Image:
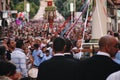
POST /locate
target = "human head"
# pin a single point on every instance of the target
(11, 43)
(109, 32)
(59, 45)
(36, 46)
(69, 45)
(47, 52)
(19, 43)
(78, 43)
(26, 50)
(108, 44)
(8, 69)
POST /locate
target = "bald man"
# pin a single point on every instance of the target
(99, 66)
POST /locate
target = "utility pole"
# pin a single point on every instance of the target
(72, 11)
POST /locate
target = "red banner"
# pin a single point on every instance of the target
(49, 3)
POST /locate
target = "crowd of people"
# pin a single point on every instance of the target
(54, 56)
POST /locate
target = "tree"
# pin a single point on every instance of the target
(63, 6)
(19, 5)
(37, 2)
(33, 9)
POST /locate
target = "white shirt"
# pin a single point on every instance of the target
(114, 76)
(103, 53)
(67, 53)
(18, 58)
(77, 55)
(58, 54)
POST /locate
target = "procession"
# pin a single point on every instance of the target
(59, 40)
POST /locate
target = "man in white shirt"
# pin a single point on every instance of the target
(19, 59)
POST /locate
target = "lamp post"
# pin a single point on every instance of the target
(28, 10)
(71, 10)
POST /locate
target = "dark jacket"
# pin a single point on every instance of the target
(97, 67)
(58, 68)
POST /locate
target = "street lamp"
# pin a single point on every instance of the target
(28, 10)
(71, 10)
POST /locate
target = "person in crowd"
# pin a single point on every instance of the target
(29, 58)
(87, 37)
(117, 56)
(114, 76)
(37, 55)
(77, 52)
(2, 53)
(4, 42)
(116, 35)
(47, 55)
(68, 53)
(50, 44)
(11, 46)
(18, 57)
(8, 71)
(101, 65)
(109, 32)
(58, 67)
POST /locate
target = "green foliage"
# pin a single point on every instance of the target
(50, 8)
(37, 2)
(79, 5)
(19, 5)
(33, 9)
(12, 5)
(15, 1)
(63, 7)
